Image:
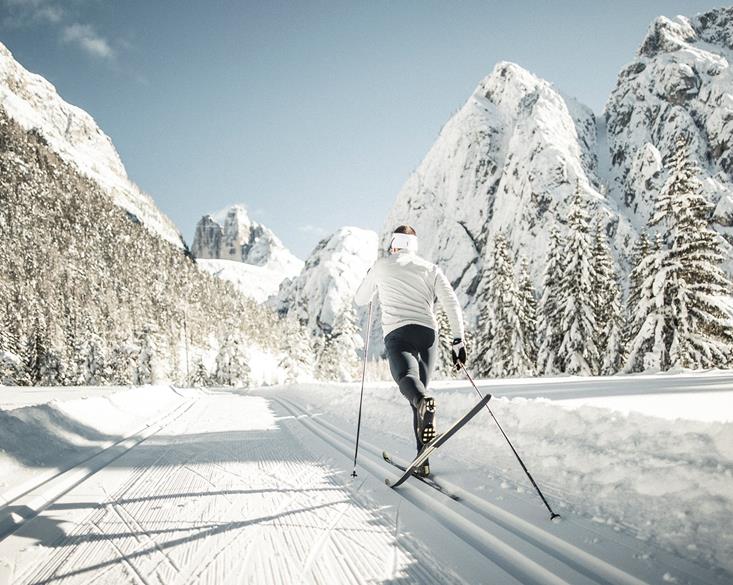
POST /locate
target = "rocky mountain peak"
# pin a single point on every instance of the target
(716, 26)
(232, 235)
(678, 85)
(665, 35)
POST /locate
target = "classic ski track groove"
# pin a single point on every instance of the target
(44, 492)
(199, 497)
(575, 559)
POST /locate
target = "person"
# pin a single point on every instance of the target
(407, 286)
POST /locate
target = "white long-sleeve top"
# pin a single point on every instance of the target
(407, 287)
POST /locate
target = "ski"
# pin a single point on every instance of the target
(427, 449)
(426, 480)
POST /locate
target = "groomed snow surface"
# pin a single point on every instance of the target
(163, 485)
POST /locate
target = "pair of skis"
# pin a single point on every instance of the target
(428, 448)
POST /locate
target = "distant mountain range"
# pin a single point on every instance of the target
(508, 161)
(234, 247)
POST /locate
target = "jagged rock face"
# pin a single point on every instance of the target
(232, 235)
(74, 135)
(329, 279)
(509, 160)
(679, 83)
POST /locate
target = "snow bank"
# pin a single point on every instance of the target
(663, 481)
(43, 438)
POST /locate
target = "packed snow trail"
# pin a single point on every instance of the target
(254, 487)
(232, 492)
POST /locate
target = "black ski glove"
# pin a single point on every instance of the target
(459, 353)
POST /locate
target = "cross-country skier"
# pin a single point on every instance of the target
(407, 286)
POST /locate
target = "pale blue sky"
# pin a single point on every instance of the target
(311, 113)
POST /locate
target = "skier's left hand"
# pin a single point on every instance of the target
(458, 353)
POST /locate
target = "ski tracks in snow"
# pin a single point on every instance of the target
(253, 489)
(227, 493)
(531, 551)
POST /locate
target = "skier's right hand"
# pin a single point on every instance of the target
(458, 353)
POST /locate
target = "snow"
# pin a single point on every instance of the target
(508, 161)
(256, 282)
(74, 135)
(230, 234)
(256, 483)
(52, 429)
(330, 277)
(620, 451)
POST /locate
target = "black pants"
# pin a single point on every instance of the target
(411, 351)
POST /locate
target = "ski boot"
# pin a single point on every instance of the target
(426, 419)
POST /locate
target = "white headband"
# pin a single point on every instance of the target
(404, 242)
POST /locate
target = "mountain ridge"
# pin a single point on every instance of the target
(34, 103)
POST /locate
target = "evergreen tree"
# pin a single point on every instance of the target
(338, 359)
(505, 351)
(34, 354)
(485, 325)
(11, 365)
(124, 362)
(445, 344)
(549, 314)
(578, 352)
(681, 317)
(639, 252)
(199, 375)
(95, 366)
(144, 372)
(231, 364)
(528, 316)
(299, 356)
(607, 304)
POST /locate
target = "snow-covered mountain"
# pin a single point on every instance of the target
(329, 278)
(73, 134)
(257, 282)
(509, 160)
(679, 83)
(512, 157)
(231, 235)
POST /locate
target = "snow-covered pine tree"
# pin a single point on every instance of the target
(123, 361)
(506, 352)
(578, 352)
(146, 355)
(607, 304)
(199, 375)
(338, 360)
(298, 353)
(528, 315)
(11, 366)
(639, 252)
(445, 344)
(485, 327)
(96, 364)
(686, 321)
(231, 363)
(549, 315)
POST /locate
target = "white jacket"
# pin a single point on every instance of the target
(407, 287)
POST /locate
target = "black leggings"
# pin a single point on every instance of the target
(411, 351)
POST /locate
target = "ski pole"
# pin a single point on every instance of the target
(553, 515)
(363, 375)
